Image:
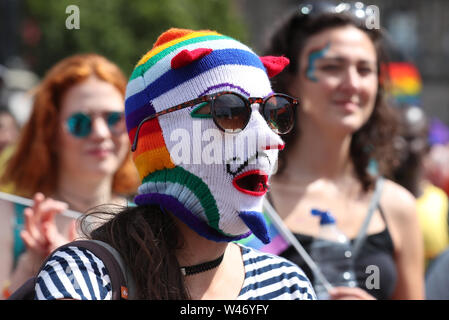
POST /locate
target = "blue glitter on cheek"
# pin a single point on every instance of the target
(315, 55)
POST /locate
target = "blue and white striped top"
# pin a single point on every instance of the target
(75, 273)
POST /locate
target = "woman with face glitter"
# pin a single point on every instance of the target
(343, 131)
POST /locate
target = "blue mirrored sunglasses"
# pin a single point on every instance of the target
(79, 124)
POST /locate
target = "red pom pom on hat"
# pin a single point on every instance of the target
(186, 57)
(171, 34)
(274, 65)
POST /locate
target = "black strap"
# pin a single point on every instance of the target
(25, 292)
(129, 281)
(374, 204)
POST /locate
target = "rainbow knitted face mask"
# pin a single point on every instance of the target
(211, 180)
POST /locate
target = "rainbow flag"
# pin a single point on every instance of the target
(406, 83)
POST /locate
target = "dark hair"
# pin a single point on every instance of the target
(373, 139)
(147, 238)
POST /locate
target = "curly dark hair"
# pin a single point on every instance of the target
(374, 139)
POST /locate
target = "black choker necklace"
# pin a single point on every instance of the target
(205, 266)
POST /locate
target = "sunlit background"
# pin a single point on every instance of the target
(33, 36)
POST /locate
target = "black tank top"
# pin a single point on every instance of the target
(377, 250)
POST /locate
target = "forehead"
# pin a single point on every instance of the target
(92, 95)
(344, 42)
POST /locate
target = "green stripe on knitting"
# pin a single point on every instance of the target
(140, 70)
(195, 185)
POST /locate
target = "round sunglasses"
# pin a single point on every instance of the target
(231, 112)
(79, 124)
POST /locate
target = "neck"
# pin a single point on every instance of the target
(213, 283)
(320, 153)
(82, 194)
(197, 249)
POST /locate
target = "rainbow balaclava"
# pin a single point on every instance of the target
(188, 166)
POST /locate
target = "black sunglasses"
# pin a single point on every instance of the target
(79, 124)
(231, 111)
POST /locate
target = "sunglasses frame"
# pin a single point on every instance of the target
(210, 98)
(92, 115)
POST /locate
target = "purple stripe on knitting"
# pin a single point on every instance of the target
(179, 210)
(134, 118)
(221, 85)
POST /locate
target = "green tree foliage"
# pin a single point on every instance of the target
(122, 30)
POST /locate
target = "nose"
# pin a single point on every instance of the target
(267, 139)
(100, 129)
(350, 79)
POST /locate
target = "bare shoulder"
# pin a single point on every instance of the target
(398, 203)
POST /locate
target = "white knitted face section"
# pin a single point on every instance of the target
(199, 147)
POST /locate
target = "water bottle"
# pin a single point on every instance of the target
(331, 251)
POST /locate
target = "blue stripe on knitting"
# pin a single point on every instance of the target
(174, 78)
(134, 102)
(134, 118)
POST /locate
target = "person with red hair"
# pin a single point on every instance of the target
(72, 153)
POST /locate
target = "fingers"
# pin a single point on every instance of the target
(32, 244)
(32, 230)
(40, 233)
(46, 209)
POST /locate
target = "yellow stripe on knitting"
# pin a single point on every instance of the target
(164, 46)
(152, 160)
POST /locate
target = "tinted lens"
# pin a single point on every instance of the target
(79, 125)
(230, 113)
(116, 122)
(278, 112)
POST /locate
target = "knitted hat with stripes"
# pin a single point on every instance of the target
(220, 199)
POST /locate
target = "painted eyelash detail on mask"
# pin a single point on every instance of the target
(195, 112)
(239, 169)
(245, 163)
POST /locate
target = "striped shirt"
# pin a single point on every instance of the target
(75, 273)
